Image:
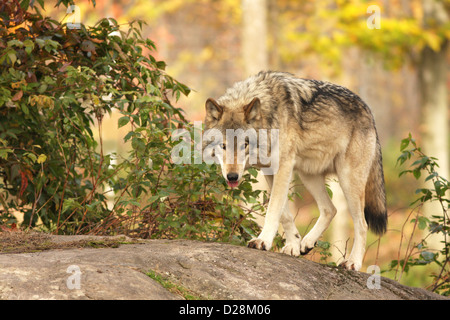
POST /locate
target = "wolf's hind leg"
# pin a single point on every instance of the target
(353, 171)
(316, 186)
(353, 187)
(355, 200)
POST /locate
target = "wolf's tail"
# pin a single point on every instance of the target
(375, 211)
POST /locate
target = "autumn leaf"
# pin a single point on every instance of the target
(64, 67)
(432, 40)
(41, 158)
(16, 85)
(17, 96)
(23, 183)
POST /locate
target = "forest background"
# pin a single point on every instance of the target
(393, 54)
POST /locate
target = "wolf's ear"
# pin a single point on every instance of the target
(252, 111)
(213, 109)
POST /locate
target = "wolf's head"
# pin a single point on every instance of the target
(234, 131)
(233, 117)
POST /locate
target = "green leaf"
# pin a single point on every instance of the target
(4, 152)
(31, 156)
(29, 46)
(138, 144)
(431, 176)
(253, 172)
(123, 121)
(24, 4)
(24, 108)
(427, 256)
(42, 88)
(40, 43)
(129, 135)
(422, 222)
(15, 42)
(404, 144)
(12, 57)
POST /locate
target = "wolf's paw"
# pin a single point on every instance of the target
(350, 265)
(306, 245)
(291, 249)
(292, 246)
(259, 244)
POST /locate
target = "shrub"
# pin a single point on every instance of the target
(419, 254)
(56, 85)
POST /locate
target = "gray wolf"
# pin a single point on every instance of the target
(323, 129)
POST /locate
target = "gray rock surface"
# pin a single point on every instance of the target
(183, 268)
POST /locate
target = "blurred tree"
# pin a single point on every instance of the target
(417, 36)
(254, 36)
(399, 33)
(433, 86)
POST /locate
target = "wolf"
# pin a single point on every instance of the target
(323, 129)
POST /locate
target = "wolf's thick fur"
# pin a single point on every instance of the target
(323, 129)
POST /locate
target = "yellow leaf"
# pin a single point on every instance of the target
(95, 100)
(16, 85)
(432, 40)
(41, 158)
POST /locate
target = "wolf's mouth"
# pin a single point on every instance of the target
(233, 184)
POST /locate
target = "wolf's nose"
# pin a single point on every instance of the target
(232, 177)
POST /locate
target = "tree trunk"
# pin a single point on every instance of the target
(254, 36)
(433, 87)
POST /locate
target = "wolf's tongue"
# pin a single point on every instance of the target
(233, 184)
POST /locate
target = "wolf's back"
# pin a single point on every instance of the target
(375, 211)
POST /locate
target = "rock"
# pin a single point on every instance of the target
(178, 269)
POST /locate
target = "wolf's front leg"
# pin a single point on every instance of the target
(278, 197)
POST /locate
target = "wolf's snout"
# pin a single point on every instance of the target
(232, 177)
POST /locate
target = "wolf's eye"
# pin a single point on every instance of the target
(224, 147)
